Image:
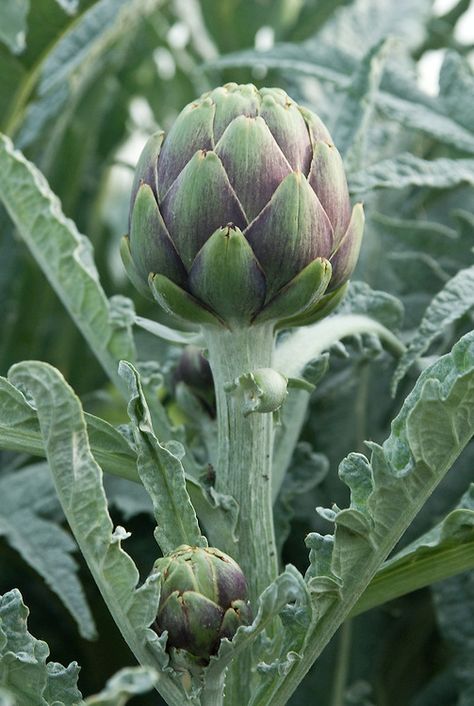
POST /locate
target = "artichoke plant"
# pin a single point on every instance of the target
(241, 214)
(203, 599)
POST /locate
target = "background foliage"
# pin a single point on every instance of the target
(82, 84)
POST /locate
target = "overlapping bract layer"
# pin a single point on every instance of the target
(242, 211)
(203, 599)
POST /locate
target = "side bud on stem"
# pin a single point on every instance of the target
(203, 599)
(263, 390)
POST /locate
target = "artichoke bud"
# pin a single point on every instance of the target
(241, 214)
(263, 390)
(203, 599)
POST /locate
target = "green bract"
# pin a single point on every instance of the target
(203, 599)
(241, 213)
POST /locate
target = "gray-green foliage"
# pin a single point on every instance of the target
(29, 679)
(69, 73)
(42, 543)
(25, 670)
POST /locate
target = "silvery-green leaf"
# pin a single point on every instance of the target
(168, 334)
(445, 550)
(374, 20)
(287, 596)
(452, 302)
(355, 114)
(408, 170)
(399, 97)
(19, 431)
(61, 685)
(24, 670)
(435, 423)
(307, 343)
(42, 543)
(124, 685)
(78, 482)
(162, 475)
(75, 59)
(66, 258)
(456, 87)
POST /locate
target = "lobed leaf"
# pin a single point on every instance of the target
(24, 671)
(162, 475)
(42, 543)
(375, 20)
(331, 60)
(355, 113)
(362, 314)
(78, 482)
(19, 431)
(287, 596)
(452, 302)
(456, 86)
(408, 170)
(446, 549)
(433, 426)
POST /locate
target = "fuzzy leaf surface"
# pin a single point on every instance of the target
(24, 670)
(42, 543)
(65, 256)
(78, 482)
(452, 302)
(433, 426)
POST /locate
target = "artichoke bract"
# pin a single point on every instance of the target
(241, 214)
(203, 599)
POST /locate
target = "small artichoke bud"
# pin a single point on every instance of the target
(263, 390)
(203, 599)
(241, 214)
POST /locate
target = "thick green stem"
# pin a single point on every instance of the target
(245, 450)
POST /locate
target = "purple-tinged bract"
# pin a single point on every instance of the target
(241, 213)
(203, 599)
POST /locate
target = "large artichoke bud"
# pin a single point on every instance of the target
(203, 599)
(241, 213)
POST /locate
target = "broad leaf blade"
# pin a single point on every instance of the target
(162, 475)
(19, 431)
(443, 551)
(77, 58)
(433, 426)
(43, 544)
(65, 256)
(78, 481)
(452, 302)
(408, 170)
